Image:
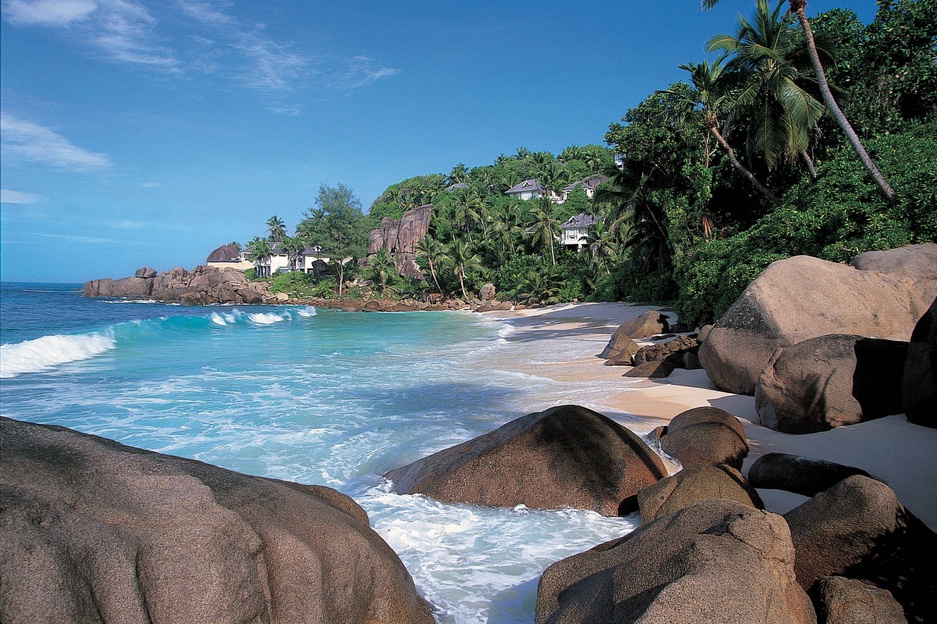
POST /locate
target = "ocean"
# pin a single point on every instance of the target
(316, 396)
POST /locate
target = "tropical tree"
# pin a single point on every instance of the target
(797, 7)
(544, 226)
(432, 250)
(459, 174)
(259, 250)
(382, 263)
(338, 226)
(714, 96)
(295, 248)
(276, 228)
(784, 114)
(463, 259)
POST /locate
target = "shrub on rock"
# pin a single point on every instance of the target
(715, 561)
(91, 531)
(566, 456)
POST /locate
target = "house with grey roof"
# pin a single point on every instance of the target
(530, 189)
(575, 231)
(589, 185)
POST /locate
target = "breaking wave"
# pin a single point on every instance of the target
(43, 354)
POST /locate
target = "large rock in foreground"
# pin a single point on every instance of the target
(566, 456)
(715, 561)
(830, 381)
(804, 297)
(859, 530)
(919, 385)
(92, 531)
(705, 435)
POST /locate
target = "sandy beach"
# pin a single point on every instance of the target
(561, 342)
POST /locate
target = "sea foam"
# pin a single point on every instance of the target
(42, 354)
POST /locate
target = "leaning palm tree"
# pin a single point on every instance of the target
(784, 115)
(714, 96)
(797, 8)
(277, 228)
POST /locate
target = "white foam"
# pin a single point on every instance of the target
(218, 319)
(306, 312)
(43, 354)
(268, 318)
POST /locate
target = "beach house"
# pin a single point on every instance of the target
(575, 231)
(531, 189)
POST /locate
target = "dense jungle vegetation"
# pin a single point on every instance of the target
(749, 160)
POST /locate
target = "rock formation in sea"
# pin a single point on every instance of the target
(804, 297)
(399, 238)
(566, 456)
(92, 531)
(203, 285)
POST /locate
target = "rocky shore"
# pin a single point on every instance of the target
(769, 489)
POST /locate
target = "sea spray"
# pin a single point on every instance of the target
(47, 352)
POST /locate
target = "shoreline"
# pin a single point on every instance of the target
(899, 453)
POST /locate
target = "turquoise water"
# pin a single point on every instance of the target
(315, 396)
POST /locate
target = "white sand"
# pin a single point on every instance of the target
(561, 343)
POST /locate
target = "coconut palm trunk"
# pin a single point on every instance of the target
(797, 7)
(711, 124)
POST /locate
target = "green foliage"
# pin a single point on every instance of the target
(251, 275)
(386, 209)
(294, 284)
(835, 218)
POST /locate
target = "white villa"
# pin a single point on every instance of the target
(310, 261)
(589, 185)
(576, 230)
(531, 189)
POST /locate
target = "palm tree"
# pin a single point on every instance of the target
(784, 114)
(295, 248)
(603, 249)
(797, 8)
(544, 226)
(464, 260)
(382, 263)
(713, 95)
(277, 228)
(459, 174)
(430, 249)
(259, 251)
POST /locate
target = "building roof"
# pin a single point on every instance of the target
(527, 186)
(457, 186)
(581, 220)
(589, 183)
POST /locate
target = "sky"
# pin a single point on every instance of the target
(149, 132)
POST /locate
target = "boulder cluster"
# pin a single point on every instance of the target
(656, 359)
(821, 344)
(94, 531)
(707, 550)
(201, 286)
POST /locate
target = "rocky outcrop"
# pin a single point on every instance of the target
(919, 383)
(566, 456)
(226, 253)
(858, 529)
(803, 297)
(204, 285)
(399, 238)
(92, 531)
(715, 561)
(692, 485)
(705, 435)
(830, 381)
(840, 600)
(801, 475)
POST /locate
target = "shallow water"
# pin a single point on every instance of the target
(314, 396)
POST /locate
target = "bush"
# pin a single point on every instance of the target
(294, 284)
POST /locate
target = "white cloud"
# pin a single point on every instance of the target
(48, 12)
(9, 196)
(122, 29)
(33, 142)
(74, 238)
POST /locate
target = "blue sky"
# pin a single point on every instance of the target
(148, 132)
